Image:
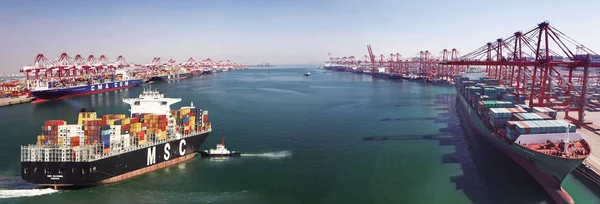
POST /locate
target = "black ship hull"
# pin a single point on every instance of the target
(170, 77)
(114, 168)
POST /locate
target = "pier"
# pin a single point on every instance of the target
(15, 100)
(590, 168)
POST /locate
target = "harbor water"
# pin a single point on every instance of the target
(327, 138)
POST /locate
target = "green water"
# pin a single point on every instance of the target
(328, 138)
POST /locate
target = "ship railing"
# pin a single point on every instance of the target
(147, 144)
(46, 153)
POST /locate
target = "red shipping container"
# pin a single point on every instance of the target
(163, 117)
(141, 135)
(204, 118)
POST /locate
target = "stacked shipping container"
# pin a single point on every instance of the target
(116, 130)
(50, 131)
(501, 115)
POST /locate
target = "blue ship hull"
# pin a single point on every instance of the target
(59, 93)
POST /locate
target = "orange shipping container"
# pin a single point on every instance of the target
(75, 141)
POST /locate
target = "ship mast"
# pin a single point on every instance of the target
(223, 140)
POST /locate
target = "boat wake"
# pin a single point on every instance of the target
(271, 155)
(14, 193)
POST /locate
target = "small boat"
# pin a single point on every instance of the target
(220, 151)
(307, 74)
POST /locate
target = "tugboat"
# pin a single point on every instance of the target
(307, 74)
(220, 151)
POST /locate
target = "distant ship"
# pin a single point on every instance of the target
(307, 74)
(171, 76)
(262, 65)
(65, 88)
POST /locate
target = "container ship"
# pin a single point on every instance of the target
(44, 90)
(545, 147)
(171, 75)
(114, 147)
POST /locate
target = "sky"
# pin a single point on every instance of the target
(275, 31)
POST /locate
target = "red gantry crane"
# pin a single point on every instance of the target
(547, 77)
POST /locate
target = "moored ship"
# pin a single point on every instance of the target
(44, 90)
(547, 148)
(171, 75)
(116, 146)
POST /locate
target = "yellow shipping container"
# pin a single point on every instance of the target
(111, 121)
(184, 111)
(85, 116)
(142, 142)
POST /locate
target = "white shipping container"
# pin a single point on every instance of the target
(115, 130)
(125, 139)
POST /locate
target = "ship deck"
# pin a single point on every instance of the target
(576, 149)
(593, 139)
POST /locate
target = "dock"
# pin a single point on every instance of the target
(590, 168)
(16, 100)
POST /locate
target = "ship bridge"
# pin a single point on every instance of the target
(151, 102)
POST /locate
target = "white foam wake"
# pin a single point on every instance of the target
(271, 155)
(25, 192)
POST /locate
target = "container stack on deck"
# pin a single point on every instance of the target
(191, 118)
(50, 132)
(156, 126)
(505, 113)
(116, 131)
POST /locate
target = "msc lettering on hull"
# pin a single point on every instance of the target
(151, 159)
